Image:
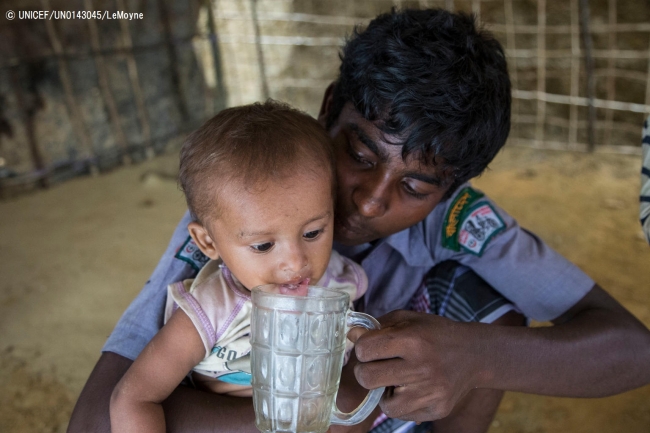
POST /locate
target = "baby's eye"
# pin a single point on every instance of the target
(312, 234)
(262, 248)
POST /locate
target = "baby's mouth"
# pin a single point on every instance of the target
(298, 288)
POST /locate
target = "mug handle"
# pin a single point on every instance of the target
(372, 399)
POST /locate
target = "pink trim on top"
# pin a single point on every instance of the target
(380, 418)
(227, 275)
(356, 267)
(243, 298)
(359, 279)
(205, 322)
(327, 277)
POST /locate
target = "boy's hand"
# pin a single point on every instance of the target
(595, 349)
(430, 364)
(417, 357)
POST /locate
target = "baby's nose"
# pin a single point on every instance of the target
(295, 261)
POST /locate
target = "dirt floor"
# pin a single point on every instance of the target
(73, 257)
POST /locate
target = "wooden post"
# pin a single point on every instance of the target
(104, 86)
(27, 113)
(260, 54)
(589, 71)
(449, 5)
(541, 70)
(512, 46)
(132, 69)
(76, 117)
(5, 129)
(200, 39)
(575, 71)
(221, 96)
(177, 85)
(647, 84)
(476, 8)
(611, 72)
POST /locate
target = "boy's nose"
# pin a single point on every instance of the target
(371, 207)
(370, 197)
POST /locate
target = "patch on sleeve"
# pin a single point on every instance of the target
(190, 253)
(479, 224)
(455, 214)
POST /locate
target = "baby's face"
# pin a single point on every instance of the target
(279, 234)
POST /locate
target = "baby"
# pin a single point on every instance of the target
(259, 183)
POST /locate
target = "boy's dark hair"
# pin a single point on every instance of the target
(433, 78)
(251, 144)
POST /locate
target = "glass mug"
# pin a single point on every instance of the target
(298, 348)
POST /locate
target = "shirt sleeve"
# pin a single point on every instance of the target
(144, 317)
(644, 198)
(519, 265)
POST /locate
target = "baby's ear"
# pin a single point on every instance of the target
(203, 240)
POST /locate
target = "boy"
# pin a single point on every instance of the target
(422, 105)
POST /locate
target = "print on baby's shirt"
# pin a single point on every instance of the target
(239, 368)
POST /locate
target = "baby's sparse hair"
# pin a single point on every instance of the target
(251, 144)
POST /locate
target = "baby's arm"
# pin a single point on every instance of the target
(162, 365)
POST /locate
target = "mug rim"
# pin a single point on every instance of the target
(336, 293)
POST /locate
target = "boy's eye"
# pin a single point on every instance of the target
(262, 248)
(413, 193)
(357, 157)
(312, 234)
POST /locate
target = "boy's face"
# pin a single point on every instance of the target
(279, 233)
(378, 193)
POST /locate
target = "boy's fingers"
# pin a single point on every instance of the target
(380, 373)
(398, 329)
(355, 333)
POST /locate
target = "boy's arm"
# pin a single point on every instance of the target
(136, 400)
(596, 349)
(474, 413)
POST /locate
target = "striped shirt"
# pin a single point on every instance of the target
(645, 181)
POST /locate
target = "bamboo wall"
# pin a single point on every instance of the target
(84, 96)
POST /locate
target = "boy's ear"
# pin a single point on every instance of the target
(203, 240)
(326, 105)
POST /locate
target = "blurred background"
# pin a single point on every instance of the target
(93, 111)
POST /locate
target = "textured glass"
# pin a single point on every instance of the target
(298, 347)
